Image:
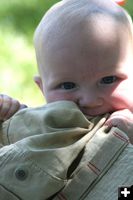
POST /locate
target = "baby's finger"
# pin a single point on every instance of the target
(5, 103)
(14, 107)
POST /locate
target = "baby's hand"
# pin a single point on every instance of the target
(123, 119)
(9, 106)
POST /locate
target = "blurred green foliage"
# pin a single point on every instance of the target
(23, 16)
(18, 20)
(129, 7)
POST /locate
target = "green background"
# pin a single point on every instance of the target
(18, 20)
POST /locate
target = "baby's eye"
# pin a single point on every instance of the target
(108, 80)
(68, 85)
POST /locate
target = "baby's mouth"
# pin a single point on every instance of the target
(93, 112)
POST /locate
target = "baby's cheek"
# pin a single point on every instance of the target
(120, 101)
(57, 96)
(122, 95)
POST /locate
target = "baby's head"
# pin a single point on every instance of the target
(84, 52)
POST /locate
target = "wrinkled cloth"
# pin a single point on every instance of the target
(56, 152)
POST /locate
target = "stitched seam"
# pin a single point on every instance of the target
(120, 137)
(105, 170)
(61, 196)
(94, 168)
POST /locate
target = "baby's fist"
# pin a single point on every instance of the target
(123, 119)
(9, 106)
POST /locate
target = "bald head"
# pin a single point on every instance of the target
(66, 18)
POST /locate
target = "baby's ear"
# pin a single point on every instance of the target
(38, 81)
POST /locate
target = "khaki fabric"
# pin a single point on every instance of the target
(55, 152)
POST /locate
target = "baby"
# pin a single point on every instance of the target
(84, 51)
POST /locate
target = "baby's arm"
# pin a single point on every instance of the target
(9, 106)
(123, 119)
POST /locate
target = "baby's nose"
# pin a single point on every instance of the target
(90, 100)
